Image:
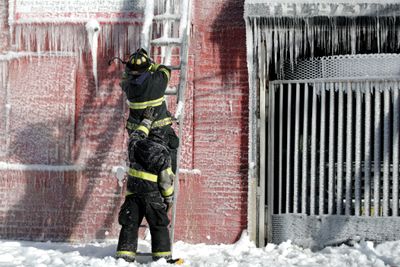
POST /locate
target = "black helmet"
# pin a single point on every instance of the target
(139, 61)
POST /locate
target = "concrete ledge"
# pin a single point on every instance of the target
(319, 231)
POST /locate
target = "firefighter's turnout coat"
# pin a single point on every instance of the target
(147, 89)
(149, 187)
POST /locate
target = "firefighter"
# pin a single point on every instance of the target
(149, 192)
(144, 84)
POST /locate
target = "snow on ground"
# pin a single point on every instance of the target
(242, 253)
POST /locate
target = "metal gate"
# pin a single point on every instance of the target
(333, 151)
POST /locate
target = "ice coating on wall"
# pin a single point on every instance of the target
(36, 131)
(60, 26)
(52, 40)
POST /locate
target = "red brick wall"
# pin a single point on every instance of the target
(83, 204)
(213, 204)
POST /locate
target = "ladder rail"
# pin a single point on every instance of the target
(184, 55)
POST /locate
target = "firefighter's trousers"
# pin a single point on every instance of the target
(152, 207)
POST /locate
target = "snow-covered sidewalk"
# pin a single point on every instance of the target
(242, 253)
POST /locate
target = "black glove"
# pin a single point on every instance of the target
(169, 201)
(148, 117)
(148, 114)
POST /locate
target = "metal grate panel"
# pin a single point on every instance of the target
(333, 148)
(343, 66)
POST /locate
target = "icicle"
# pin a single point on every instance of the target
(179, 110)
(292, 48)
(148, 15)
(93, 28)
(276, 46)
(378, 34)
(354, 37)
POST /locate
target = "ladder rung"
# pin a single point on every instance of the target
(171, 91)
(176, 67)
(167, 17)
(166, 41)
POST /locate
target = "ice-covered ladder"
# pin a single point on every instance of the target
(170, 13)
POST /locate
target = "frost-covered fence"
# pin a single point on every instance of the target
(335, 147)
(333, 150)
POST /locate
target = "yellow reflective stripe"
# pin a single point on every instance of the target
(162, 122)
(143, 175)
(154, 67)
(168, 192)
(166, 72)
(143, 105)
(160, 254)
(169, 171)
(159, 123)
(131, 125)
(128, 193)
(143, 129)
(125, 253)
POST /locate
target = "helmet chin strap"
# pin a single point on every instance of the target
(119, 59)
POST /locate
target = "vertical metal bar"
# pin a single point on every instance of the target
(349, 136)
(377, 149)
(296, 151)
(322, 154)
(396, 111)
(280, 170)
(313, 168)
(271, 170)
(264, 158)
(357, 169)
(289, 151)
(331, 167)
(305, 148)
(367, 153)
(339, 197)
(386, 148)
